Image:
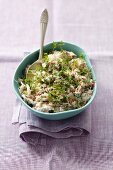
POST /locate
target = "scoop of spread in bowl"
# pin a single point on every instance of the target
(62, 81)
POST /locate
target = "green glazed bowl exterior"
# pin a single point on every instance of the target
(33, 57)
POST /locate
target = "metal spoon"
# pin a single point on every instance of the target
(43, 27)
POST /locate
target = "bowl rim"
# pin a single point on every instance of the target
(67, 111)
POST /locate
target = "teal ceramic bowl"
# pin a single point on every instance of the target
(33, 57)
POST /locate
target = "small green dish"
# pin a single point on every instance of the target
(32, 58)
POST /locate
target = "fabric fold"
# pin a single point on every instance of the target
(35, 130)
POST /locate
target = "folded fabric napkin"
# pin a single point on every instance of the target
(34, 130)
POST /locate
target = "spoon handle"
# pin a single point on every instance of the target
(43, 27)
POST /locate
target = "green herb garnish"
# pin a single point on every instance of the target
(57, 45)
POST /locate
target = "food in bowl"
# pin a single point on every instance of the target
(61, 82)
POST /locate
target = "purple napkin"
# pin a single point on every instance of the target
(34, 130)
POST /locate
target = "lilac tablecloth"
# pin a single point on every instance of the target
(92, 152)
(88, 24)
